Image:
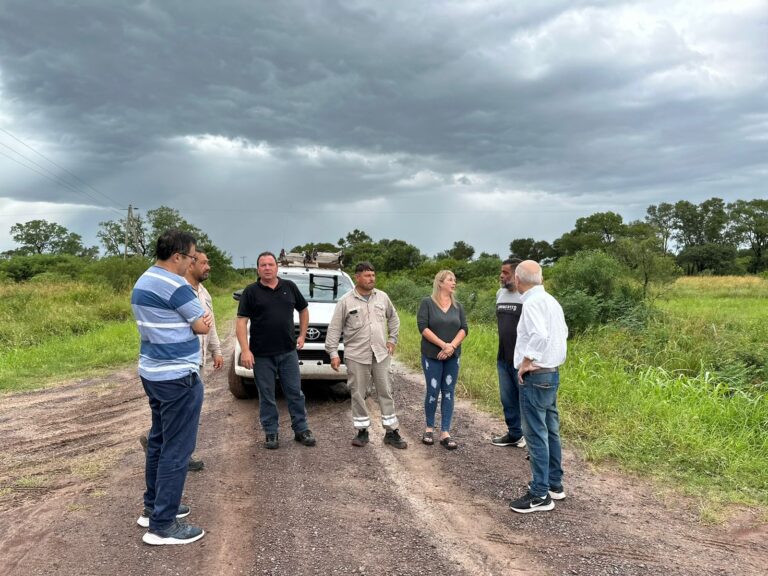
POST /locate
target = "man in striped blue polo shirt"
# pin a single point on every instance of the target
(169, 317)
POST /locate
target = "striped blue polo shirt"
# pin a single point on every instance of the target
(165, 307)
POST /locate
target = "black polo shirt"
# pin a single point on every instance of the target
(271, 315)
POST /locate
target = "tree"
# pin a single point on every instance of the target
(460, 251)
(749, 221)
(530, 249)
(714, 221)
(718, 259)
(399, 255)
(595, 232)
(647, 261)
(112, 235)
(688, 224)
(353, 238)
(144, 233)
(310, 247)
(662, 218)
(608, 226)
(43, 237)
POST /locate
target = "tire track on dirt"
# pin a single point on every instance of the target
(71, 479)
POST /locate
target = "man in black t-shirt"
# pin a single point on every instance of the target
(509, 306)
(269, 304)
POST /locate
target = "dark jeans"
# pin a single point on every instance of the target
(441, 376)
(541, 427)
(509, 393)
(265, 370)
(175, 406)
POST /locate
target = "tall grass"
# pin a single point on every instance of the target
(53, 331)
(681, 399)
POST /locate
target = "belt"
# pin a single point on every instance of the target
(544, 370)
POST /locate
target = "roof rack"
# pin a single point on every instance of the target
(314, 259)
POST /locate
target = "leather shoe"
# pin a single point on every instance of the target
(272, 442)
(305, 438)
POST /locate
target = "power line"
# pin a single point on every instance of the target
(51, 178)
(58, 179)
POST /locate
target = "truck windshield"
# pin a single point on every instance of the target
(322, 287)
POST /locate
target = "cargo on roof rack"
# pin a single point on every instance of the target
(314, 259)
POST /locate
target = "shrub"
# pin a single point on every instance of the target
(405, 293)
(121, 274)
(595, 279)
(22, 268)
(581, 309)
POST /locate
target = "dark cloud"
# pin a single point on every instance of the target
(354, 107)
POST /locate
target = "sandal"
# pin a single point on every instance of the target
(449, 443)
(428, 438)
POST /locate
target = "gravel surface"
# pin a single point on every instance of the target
(71, 479)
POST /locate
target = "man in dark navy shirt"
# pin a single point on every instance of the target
(509, 306)
(269, 304)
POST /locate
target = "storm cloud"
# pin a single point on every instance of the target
(270, 124)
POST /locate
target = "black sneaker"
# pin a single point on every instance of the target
(177, 533)
(508, 440)
(305, 438)
(531, 503)
(555, 492)
(272, 442)
(393, 438)
(361, 439)
(143, 520)
(195, 464)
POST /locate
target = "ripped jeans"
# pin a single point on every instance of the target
(441, 378)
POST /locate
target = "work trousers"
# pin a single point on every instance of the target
(360, 376)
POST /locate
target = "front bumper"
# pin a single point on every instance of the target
(314, 364)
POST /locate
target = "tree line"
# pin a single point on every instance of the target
(711, 237)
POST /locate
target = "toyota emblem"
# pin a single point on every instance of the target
(313, 334)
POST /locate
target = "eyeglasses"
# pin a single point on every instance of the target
(194, 258)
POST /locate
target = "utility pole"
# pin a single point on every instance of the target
(128, 228)
(243, 257)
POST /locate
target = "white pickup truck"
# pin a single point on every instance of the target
(322, 288)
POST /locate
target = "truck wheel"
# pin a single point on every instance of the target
(242, 388)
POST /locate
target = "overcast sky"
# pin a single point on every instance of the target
(274, 123)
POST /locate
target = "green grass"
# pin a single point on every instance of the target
(57, 332)
(77, 356)
(682, 400)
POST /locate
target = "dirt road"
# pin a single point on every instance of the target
(71, 479)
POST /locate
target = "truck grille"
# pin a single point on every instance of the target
(316, 333)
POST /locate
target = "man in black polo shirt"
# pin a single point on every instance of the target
(269, 304)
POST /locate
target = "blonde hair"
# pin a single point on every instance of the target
(439, 279)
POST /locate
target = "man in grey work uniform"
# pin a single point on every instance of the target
(370, 325)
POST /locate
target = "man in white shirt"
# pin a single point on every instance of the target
(539, 351)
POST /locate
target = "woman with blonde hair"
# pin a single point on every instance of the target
(443, 326)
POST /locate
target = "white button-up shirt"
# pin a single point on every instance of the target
(541, 332)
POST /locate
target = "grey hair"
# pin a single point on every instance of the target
(528, 274)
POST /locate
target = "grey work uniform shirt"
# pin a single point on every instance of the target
(367, 326)
(208, 342)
